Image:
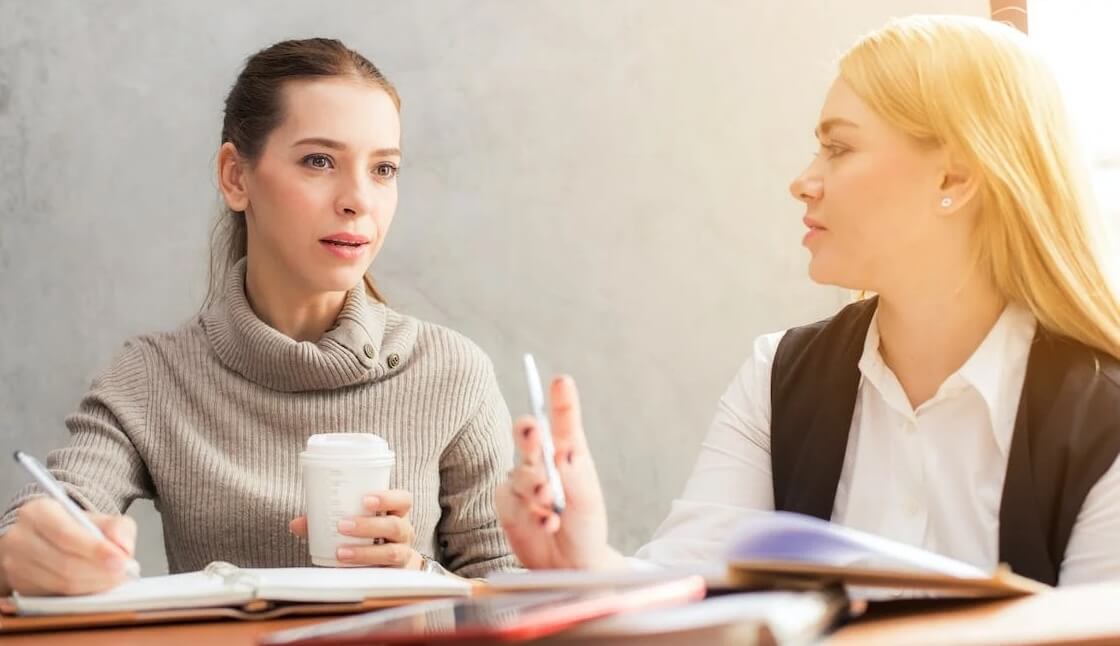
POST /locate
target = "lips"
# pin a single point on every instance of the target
(813, 224)
(350, 247)
(344, 239)
(815, 230)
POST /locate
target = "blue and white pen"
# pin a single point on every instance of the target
(548, 449)
(55, 490)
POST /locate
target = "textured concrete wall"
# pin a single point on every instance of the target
(600, 182)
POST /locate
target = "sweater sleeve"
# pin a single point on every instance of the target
(470, 537)
(100, 467)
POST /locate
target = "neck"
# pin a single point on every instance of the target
(926, 336)
(296, 313)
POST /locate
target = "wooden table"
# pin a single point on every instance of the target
(1083, 615)
(226, 633)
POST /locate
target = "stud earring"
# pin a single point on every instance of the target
(946, 202)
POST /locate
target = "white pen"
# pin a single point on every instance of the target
(548, 450)
(55, 490)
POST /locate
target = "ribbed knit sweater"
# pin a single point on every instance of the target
(209, 421)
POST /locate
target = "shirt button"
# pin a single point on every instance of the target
(394, 360)
(368, 349)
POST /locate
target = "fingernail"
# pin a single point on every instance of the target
(372, 501)
(345, 553)
(347, 526)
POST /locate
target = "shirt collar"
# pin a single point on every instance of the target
(995, 370)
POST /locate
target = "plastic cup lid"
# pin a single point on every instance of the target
(349, 445)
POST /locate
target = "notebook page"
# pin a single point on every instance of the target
(352, 584)
(188, 590)
(785, 536)
(715, 576)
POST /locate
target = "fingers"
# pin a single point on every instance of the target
(48, 552)
(387, 522)
(523, 523)
(567, 419)
(531, 488)
(52, 524)
(390, 529)
(65, 574)
(298, 526)
(394, 502)
(121, 530)
(527, 440)
(387, 555)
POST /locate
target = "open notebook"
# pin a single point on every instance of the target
(783, 548)
(224, 590)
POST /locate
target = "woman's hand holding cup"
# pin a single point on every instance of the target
(353, 517)
(386, 524)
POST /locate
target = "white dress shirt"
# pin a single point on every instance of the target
(930, 477)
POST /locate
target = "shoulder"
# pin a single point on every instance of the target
(137, 363)
(748, 394)
(438, 353)
(1096, 373)
(853, 317)
(455, 346)
(767, 347)
(169, 347)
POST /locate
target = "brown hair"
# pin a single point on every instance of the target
(254, 108)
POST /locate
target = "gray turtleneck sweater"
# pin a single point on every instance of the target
(209, 421)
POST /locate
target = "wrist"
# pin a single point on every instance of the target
(608, 558)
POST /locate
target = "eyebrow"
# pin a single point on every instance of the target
(338, 145)
(829, 124)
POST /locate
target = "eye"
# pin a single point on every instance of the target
(832, 150)
(318, 162)
(386, 170)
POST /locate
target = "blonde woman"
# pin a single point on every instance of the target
(972, 406)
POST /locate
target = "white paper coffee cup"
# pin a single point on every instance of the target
(339, 469)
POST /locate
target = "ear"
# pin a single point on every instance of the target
(959, 184)
(231, 178)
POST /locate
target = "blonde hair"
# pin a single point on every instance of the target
(976, 87)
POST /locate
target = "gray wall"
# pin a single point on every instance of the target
(602, 183)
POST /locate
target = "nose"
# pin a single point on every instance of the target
(355, 197)
(807, 187)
